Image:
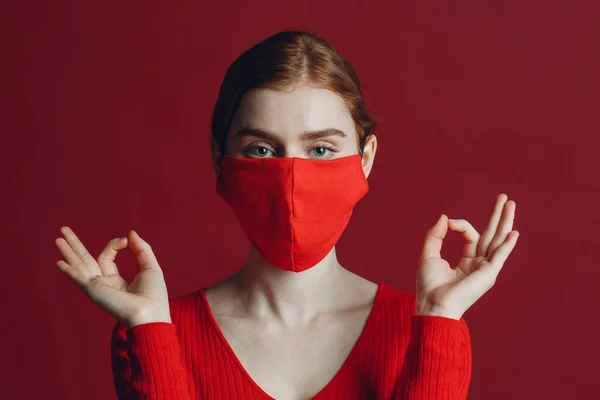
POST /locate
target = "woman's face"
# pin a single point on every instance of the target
(306, 123)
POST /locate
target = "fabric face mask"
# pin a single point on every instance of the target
(293, 210)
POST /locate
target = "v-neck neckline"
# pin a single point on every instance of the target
(361, 338)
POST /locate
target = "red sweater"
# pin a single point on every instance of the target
(399, 355)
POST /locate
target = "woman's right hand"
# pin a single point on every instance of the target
(144, 300)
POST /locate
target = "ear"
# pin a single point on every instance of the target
(216, 155)
(368, 155)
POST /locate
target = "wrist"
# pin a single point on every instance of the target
(131, 324)
(146, 318)
(436, 311)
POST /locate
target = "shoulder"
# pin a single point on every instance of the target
(184, 303)
(393, 308)
(393, 297)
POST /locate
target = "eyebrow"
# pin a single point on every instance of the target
(307, 135)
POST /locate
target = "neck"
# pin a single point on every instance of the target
(293, 297)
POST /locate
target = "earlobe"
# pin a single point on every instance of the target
(368, 155)
(366, 167)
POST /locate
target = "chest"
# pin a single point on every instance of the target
(293, 364)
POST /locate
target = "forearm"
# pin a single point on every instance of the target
(438, 360)
(151, 366)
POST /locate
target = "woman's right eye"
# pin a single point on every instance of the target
(257, 151)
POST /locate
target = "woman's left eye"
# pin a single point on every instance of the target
(320, 151)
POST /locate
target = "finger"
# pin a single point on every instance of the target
(67, 252)
(75, 274)
(143, 252)
(470, 235)
(80, 250)
(490, 230)
(506, 225)
(106, 259)
(434, 238)
(501, 254)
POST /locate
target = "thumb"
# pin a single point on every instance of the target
(143, 252)
(434, 238)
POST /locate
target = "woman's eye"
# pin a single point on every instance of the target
(321, 151)
(258, 151)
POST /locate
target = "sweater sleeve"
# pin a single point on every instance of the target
(437, 364)
(147, 363)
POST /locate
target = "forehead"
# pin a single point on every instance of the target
(293, 112)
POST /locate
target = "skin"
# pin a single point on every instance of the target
(299, 327)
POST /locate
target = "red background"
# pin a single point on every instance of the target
(105, 129)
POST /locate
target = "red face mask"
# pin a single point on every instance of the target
(293, 210)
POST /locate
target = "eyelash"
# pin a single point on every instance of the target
(254, 146)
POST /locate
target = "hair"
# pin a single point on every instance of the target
(283, 61)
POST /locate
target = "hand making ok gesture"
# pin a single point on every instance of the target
(144, 300)
(447, 292)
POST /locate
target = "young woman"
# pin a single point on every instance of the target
(292, 146)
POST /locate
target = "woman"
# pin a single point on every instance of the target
(292, 145)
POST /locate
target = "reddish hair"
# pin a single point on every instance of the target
(282, 61)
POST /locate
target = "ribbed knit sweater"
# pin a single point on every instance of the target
(398, 355)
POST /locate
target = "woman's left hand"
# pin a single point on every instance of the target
(443, 291)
